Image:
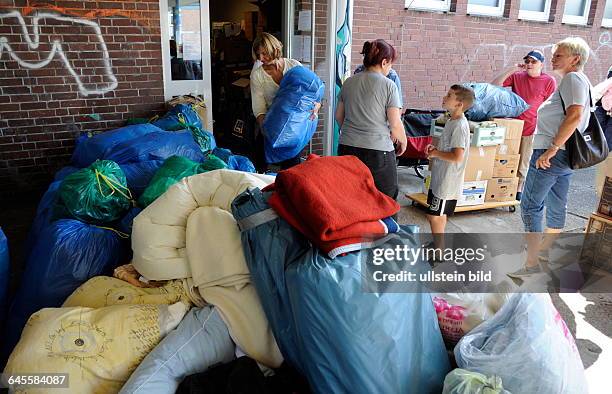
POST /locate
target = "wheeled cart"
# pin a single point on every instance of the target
(421, 199)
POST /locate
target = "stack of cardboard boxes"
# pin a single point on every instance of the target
(597, 247)
(492, 166)
(504, 184)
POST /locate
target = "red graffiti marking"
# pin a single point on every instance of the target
(93, 14)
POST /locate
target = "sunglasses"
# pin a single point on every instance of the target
(530, 61)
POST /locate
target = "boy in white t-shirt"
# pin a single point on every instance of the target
(448, 159)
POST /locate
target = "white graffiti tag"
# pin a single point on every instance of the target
(33, 42)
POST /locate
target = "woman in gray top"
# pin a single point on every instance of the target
(369, 117)
(548, 179)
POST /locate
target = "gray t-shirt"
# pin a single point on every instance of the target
(366, 97)
(574, 87)
(447, 177)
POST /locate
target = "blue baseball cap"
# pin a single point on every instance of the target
(535, 54)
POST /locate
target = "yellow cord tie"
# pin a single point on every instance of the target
(113, 185)
(119, 233)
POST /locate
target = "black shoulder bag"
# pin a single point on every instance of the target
(589, 147)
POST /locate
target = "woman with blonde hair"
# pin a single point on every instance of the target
(547, 184)
(266, 79)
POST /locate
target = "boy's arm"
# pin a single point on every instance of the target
(454, 156)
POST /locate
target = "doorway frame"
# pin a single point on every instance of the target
(201, 87)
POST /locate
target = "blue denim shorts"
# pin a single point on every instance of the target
(546, 188)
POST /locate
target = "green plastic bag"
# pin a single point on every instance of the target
(173, 170)
(202, 138)
(461, 381)
(96, 194)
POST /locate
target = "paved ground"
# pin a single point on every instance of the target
(587, 315)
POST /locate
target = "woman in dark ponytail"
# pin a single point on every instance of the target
(369, 117)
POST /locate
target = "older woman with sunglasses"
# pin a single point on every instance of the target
(547, 184)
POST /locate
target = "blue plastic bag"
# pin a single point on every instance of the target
(5, 271)
(44, 215)
(287, 125)
(158, 145)
(240, 163)
(89, 149)
(66, 255)
(64, 172)
(344, 340)
(139, 174)
(494, 102)
(234, 162)
(528, 345)
(177, 117)
(222, 153)
(125, 224)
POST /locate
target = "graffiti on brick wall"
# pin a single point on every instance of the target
(56, 48)
(599, 62)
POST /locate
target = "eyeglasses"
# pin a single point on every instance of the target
(530, 61)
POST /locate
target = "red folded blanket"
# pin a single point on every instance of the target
(333, 201)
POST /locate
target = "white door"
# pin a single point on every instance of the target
(185, 32)
(300, 31)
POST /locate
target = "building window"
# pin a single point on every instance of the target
(535, 10)
(428, 5)
(486, 7)
(576, 12)
(607, 18)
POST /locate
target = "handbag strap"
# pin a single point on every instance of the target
(590, 98)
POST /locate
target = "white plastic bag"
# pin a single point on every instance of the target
(528, 345)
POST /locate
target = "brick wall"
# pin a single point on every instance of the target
(439, 49)
(97, 64)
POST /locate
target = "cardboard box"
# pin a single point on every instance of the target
(487, 134)
(509, 147)
(480, 162)
(501, 189)
(603, 170)
(435, 130)
(514, 127)
(506, 166)
(472, 193)
(605, 202)
(597, 246)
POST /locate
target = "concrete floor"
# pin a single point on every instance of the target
(587, 315)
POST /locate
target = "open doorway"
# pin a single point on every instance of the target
(234, 24)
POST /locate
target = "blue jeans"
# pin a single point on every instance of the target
(546, 187)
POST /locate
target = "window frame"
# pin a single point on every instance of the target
(427, 5)
(606, 22)
(535, 15)
(485, 10)
(577, 20)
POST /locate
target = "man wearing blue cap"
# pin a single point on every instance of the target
(529, 82)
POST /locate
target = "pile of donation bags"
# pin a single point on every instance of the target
(83, 222)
